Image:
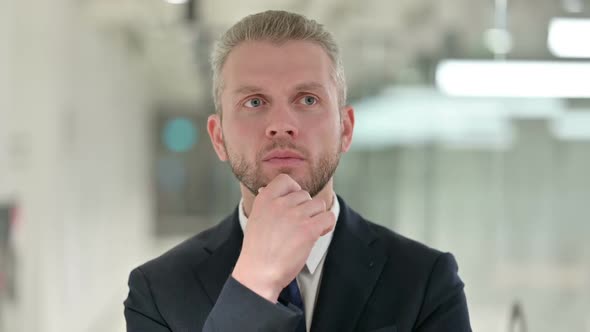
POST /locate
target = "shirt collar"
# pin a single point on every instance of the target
(319, 248)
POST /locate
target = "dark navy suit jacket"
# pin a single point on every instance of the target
(374, 280)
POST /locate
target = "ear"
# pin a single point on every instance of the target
(347, 124)
(216, 136)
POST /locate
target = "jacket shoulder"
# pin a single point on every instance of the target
(185, 255)
(415, 258)
(401, 246)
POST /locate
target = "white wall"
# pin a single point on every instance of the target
(78, 106)
(6, 91)
(515, 219)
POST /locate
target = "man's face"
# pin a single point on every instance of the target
(280, 115)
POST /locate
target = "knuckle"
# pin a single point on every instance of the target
(319, 204)
(304, 194)
(282, 202)
(327, 218)
(261, 195)
(331, 216)
(310, 230)
(284, 178)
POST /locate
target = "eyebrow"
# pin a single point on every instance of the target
(311, 86)
(248, 89)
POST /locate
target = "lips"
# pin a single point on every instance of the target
(277, 155)
(283, 159)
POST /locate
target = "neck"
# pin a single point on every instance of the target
(326, 194)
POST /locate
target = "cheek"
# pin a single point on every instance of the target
(326, 138)
(243, 127)
(240, 141)
(231, 130)
(332, 129)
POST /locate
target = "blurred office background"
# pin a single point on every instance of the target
(473, 136)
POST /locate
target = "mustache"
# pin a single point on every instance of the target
(282, 143)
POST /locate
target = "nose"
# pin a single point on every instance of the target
(282, 124)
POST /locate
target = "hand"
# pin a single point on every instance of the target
(284, 224)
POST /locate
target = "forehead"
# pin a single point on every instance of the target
(265, 64)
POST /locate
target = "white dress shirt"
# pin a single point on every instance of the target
(309, 278)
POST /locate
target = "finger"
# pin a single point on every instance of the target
(323, 223)
(280, 186)
(296, 198)
(312, 207)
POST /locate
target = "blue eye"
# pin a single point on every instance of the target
(253, 103)
(308, 100)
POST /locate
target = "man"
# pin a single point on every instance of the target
(292, 256)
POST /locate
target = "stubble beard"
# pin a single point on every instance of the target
(252, 177)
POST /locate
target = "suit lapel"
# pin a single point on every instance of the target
(224, 248)
(351, 269)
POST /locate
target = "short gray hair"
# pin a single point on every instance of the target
(277, 27)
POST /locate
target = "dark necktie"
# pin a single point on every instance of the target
(291, 294)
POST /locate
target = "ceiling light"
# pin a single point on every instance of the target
(543, 79)
(569, 37)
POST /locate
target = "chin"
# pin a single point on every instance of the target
(294, 173)
(301, 179)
